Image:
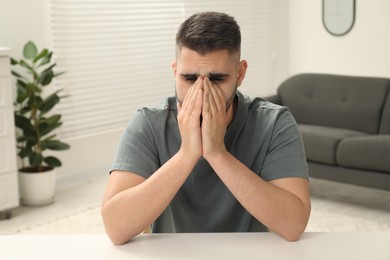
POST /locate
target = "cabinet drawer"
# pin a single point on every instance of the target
(6, 98)
(9, 194)
(7, 155)
(7, 124)
(5, 67)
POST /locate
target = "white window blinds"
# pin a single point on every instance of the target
(117, 55)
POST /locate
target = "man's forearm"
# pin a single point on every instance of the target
(128, 213)
(276, 207)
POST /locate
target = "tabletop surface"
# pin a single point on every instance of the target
(353, 245)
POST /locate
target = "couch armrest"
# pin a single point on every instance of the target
(274, 99)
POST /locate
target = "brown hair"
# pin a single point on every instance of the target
(209, 31)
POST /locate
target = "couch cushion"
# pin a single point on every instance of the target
(365, 152)
(321, 142)
(385, 122)
(353, 103)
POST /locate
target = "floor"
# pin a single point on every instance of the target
(335, 207)
(70, 202)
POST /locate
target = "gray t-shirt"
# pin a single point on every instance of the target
(262, 135)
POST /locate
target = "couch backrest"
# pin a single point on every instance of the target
(385, 122)
(354, 103)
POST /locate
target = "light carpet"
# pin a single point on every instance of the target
(85, 221)
(335, 207)
(89, 221)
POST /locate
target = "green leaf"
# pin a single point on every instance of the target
(21, 84)
(46, 77)
(30, 50)
(46, 59)
(24, 152)
(13, 61)
(35, 159)
(41, 55)
(48, 128)
(30, 144)
(52, 161)
(54, 119)
(49, 138)
(24, 124)
(22, 95)
(21, 92)
(31, 87)
(24, 110)
(34, 101)
(58, 74)
(49, 102)
(43, 125)
(57, 145)
(21, 139)
(47, 125)
(50, 67)
(24, 138)
(25, 65)
(17, 74)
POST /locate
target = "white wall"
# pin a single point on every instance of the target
(364, 51)
(24, 20)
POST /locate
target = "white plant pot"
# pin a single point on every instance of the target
(37, 189)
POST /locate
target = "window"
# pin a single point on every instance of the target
(117, 55)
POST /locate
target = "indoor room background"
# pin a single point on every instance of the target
(117, 57)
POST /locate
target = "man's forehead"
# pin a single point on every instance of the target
(212, 64)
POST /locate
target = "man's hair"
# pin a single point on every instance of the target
(209, 31)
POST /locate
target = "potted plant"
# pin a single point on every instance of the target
(35, 123)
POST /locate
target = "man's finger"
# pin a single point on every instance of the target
(191, 97)
(206, 111)
(214, 99)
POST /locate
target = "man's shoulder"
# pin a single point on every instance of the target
(263, 112)
(159, 113)
(261, 105)
(166, 105)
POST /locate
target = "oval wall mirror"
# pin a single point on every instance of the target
(338, 16)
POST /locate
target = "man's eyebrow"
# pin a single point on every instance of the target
(189, 75)
(211, 75)
(218, 75)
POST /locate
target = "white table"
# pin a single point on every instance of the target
(356, 246)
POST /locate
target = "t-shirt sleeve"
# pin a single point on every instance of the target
(136, 152)
(286, 153)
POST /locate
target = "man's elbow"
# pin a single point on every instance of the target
(117, 240)
(293, 234)
(116, 234)
(294, 231)
(117, 237)
(293, 237)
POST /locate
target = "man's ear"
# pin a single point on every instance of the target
(242, 67)
(174, 67)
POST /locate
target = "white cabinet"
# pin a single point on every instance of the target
(9, 194)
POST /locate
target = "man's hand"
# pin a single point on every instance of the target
(214, 120)
(207, 100)
(189, 120)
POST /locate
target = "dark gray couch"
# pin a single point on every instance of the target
(345, 125)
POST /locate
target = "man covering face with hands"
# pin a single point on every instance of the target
(205, 103)
(209, 159)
